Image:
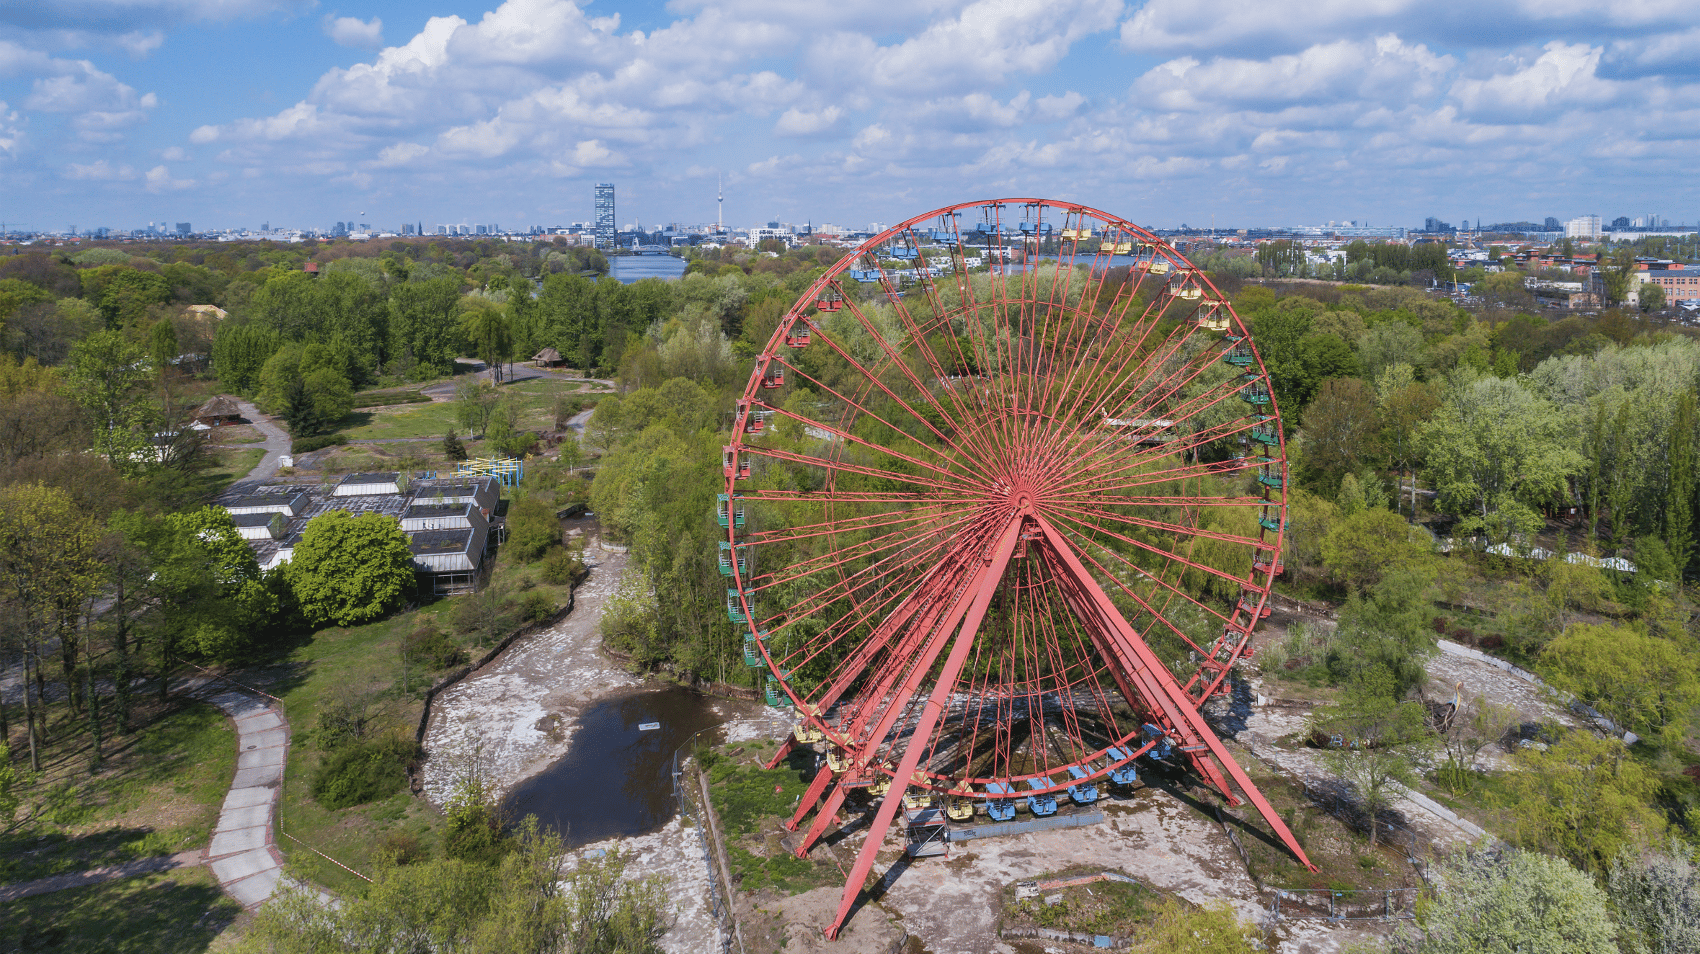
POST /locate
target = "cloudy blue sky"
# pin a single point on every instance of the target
(301, 112)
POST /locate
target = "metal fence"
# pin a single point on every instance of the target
(1390, 904)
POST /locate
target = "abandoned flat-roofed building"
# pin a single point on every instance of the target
(449, 521)
(289, 503)
(361, 485)
(447, 516)
(449, 559)
(483, 491)
(259, 526)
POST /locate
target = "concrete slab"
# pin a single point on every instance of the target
(261, 775)
(246, 864)
(260, 757)
(264, 739)
(259, 722)
(253, 816)
(238, 840)
(255, 889)
(248, 797)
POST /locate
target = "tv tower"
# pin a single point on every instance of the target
(719, 206)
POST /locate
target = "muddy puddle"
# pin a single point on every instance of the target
(616, 778)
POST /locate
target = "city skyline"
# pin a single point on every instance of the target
(1277, 114)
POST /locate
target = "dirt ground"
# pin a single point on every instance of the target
(951, 906)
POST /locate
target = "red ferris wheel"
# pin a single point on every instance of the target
(1003, 506)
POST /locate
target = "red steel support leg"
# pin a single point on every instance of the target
(823, 819)
(784, 750)
(1159, 687)
(823, 778)
(983, 588)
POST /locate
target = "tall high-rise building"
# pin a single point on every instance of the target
(605, 227)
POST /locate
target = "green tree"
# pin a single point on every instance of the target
(127, 294)
(1495, 452)
(108, 376)
(1492, 900)
(534, 898)
(1340, 430)
(48, 567)
(350, 570)
(1406, 406)
(1387, 628)
(1679, 503)
(532, 528)
(1360, 549)
(1583, 798)
(487, 327)
(1640, 682)
(1657, 897)
(1652, 296)
(240, 351)
(162, 344)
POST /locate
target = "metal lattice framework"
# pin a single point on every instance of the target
(1004, 503)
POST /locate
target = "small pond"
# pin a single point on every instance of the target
(617, 777)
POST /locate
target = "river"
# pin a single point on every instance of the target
(630, 268)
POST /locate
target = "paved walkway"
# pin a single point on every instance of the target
(243, 855)
(277, 445)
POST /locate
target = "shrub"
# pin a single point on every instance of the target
(432, 648)
(402, 848)
(561, 567)
(307, 445)
(536, 606)
(364, 772)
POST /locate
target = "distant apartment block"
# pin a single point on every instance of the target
(1583, 227)
(605, 227)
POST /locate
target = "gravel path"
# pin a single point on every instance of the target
(277, 444)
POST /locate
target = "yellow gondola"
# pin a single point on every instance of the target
(807, 734)
(959, 809)
(837, 761)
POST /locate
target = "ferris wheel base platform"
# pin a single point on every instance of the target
(1000, 829)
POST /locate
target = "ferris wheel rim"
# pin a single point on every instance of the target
(831, 281)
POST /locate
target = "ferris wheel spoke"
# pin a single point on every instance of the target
(972, 480)
(864, 552)
(1085, 513)
(841, 467)
(871, 379)
(854, 524)
(1064, 516)
(895, 360)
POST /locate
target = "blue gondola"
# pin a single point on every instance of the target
(1041, 804)
(1162, 749)
(946, 236)
(864, 274)
(1124, 774)
(905, 253)
(999, 809)
(1082, 791)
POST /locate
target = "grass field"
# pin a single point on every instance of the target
(158, 792)
(228, 467)
(536, 399)
(180, 912)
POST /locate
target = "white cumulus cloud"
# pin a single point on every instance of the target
(355, 32)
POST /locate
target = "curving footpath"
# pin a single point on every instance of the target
(244, 854)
